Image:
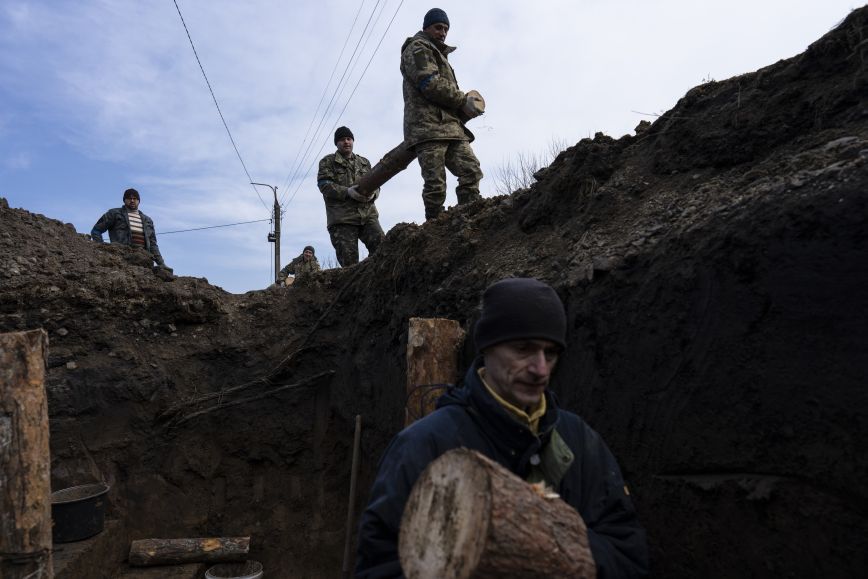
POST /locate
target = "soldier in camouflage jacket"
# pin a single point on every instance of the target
(304, 264)
(350, 216)
(433, 110)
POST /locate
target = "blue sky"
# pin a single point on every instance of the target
(100, 95)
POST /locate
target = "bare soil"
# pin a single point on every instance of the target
(714, 269)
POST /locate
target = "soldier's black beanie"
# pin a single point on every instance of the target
(520, 308)
(310, 247)
(434, 16)
(343, 132)
(132, 193)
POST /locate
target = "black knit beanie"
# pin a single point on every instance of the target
(310, 247)
(343, 132)
(520, 308)
(434, 16)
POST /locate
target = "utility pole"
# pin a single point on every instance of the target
(274, 237)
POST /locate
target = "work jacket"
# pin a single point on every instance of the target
(117, 223)
(432, 98)
(470, 417)
(336, 174)
(299, 267)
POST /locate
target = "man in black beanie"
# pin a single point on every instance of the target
(350, 216)
(300, 267)
(435, 111)
(505, 411)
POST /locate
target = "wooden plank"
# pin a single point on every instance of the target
(25, 477)
(467, 516)
(433, 346)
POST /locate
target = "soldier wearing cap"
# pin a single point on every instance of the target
(303, 265)
(435, 110)
(350, 215)
(505, 410)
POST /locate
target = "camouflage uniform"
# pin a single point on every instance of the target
(299, 268)
(348, 220)
(432, 126)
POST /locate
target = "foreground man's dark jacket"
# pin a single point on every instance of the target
(469, 417)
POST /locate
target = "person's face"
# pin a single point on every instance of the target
(131, 203)
(345, 146)
(520, 370)
(308, 254)
(437, 31)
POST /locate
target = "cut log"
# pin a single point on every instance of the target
(25, 478)
(146, 552)
(390, 165)
(467, 516)
(432, 362)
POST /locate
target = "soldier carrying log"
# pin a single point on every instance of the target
(505, 411)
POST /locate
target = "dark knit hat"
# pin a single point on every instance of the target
(343, 132)
(520, 308)
(131, 193)
(310, 247)
(434, 16)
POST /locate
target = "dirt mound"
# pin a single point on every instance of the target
(713, 268)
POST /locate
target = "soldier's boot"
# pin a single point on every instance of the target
(464, 198)
(431, 213)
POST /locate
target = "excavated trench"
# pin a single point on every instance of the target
(714, 272)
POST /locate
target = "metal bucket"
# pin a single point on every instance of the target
(78, 512)
(245, 570)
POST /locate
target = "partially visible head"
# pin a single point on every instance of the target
(520, 335)
(308, 252)
(344, 140)
(436, 24)
(132, 199)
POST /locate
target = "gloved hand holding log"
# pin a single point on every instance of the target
(467, 516)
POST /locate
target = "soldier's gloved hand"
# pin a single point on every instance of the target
(353, 193)
(473, 105)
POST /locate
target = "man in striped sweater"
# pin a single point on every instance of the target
(129, 226)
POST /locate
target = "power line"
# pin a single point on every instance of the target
(338, 90)
(376, 49)
(292, 167)
(226, 126)
(213, 226)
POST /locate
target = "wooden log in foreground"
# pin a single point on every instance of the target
(146, 552)
(25, 477)
(467, 516)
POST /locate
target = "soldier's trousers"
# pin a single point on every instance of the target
(345, 240)
(457, 156)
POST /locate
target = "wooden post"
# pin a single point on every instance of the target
(432, 361)
(146, 552)
(25, 477)
(467, 516)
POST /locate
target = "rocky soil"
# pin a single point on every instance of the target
(714, 269)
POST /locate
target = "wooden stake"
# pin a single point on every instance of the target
(146, 552)
(432, 362)
(467, 516)
(25, 477)
(351, 508)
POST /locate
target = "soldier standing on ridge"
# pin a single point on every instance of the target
(434, 108)
(350, 215)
